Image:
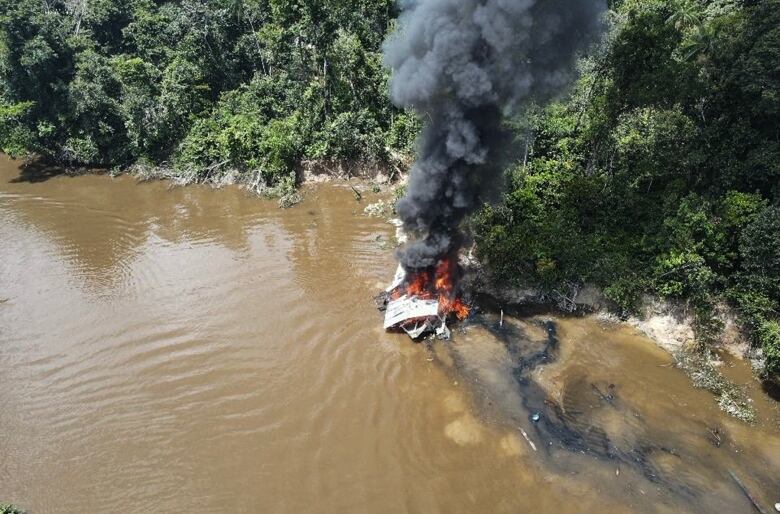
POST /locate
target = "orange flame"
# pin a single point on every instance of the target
(418, 286)
(438, 283)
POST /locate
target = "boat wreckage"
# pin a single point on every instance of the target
(422, 303)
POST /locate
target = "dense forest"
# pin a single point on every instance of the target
(202, 87)
(658, 173)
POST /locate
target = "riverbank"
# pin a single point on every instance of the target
(305, 172)
(670, 325)
(371, 175)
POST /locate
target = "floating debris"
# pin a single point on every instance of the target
(442, 332)
(525, 435)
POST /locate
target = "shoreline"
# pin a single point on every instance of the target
(306, 171)
(287, 190)
(669, 325)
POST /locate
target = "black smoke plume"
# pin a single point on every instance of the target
(464, 65)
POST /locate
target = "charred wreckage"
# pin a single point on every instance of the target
(421, 302)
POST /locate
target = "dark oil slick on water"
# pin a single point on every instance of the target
(172, 349)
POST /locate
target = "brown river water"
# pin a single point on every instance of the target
(182, 349)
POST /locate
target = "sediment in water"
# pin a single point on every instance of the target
(576, 416)
(670, 325)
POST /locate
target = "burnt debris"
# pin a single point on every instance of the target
(420, 305)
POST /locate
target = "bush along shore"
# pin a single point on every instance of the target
(658, 174)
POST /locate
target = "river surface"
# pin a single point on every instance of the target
(168, 349)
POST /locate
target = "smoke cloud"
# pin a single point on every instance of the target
(464, 65)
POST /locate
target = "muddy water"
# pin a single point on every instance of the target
(180, 349)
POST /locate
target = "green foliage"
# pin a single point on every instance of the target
(239, 140)
(15, 135)
(350, 135)
(760, 252)
(738, 209)
(7, 508)
(768, 338)
(660, 173)
(757, 287)
(650, 140)
(247, 86)
(403, 132)
(97, 133)
(682, 274)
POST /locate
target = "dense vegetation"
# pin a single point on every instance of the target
(248, 87)
(660, 173)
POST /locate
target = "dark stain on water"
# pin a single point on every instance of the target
(572, 422)
(569, 426)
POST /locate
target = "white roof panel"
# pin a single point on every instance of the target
(398, 279)
(408, 308)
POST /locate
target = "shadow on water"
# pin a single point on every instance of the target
(37, 171)
(589, 418)
(772, 390)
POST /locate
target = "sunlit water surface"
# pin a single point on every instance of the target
(187, 349)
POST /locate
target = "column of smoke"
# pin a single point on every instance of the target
(464, 65)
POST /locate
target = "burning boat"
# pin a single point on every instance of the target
(421, 302)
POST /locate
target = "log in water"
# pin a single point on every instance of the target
(172, 349)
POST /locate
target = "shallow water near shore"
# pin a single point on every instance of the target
(172, 349)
